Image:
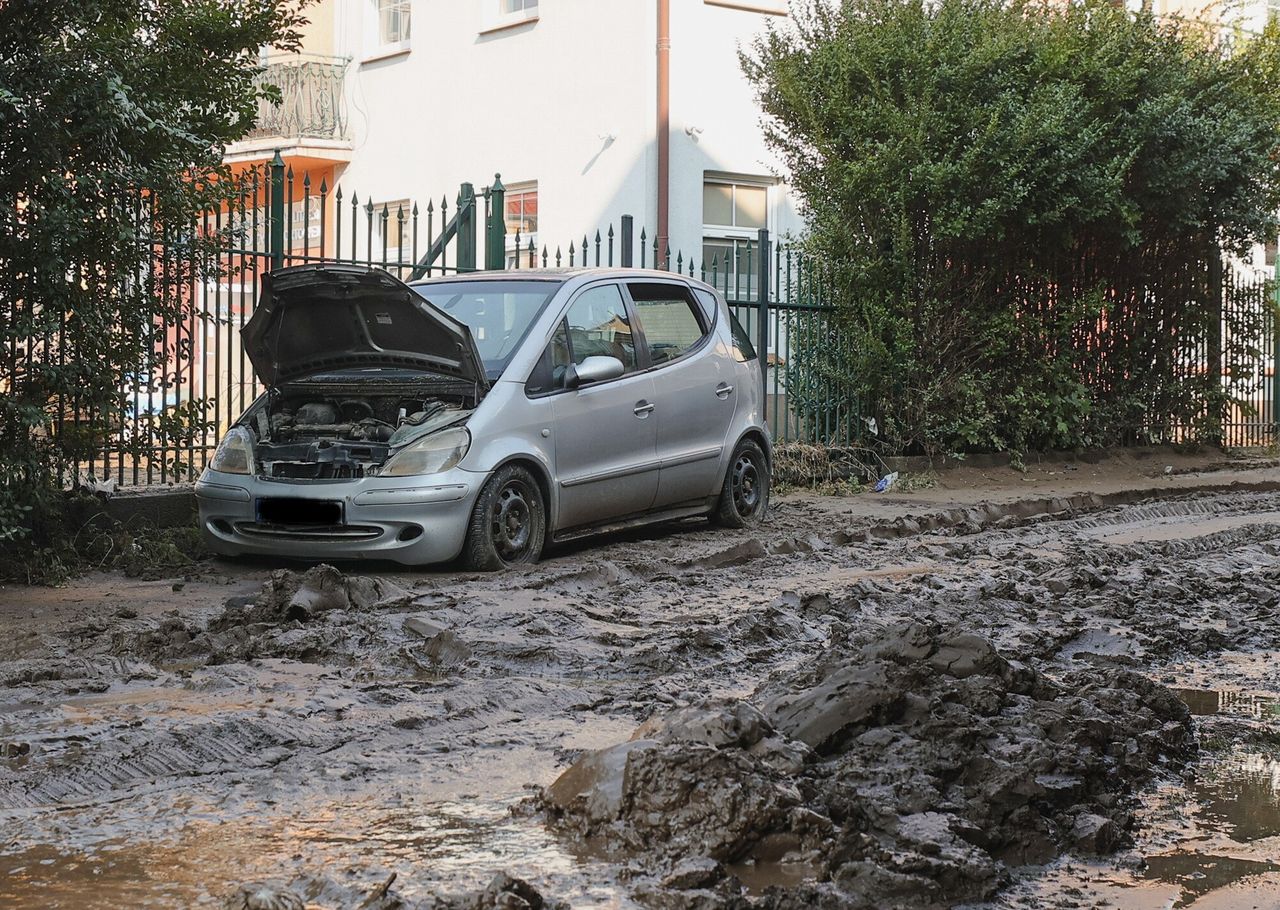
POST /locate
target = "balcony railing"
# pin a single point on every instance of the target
(312, 102)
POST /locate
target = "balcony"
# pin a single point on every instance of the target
(310, 121)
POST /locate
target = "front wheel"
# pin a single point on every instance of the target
(508, 524)
(744, 498)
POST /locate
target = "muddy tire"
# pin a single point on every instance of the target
(744, 498)
(508, 524)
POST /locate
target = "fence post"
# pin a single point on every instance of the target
(495, 232)
(1218, 396)
(762, 304)
(465, 259)
(1275, 357)
(275, 241)
(626, 241)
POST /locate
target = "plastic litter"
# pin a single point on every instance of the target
(886, 481)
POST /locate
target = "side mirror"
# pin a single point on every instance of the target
(593, 369)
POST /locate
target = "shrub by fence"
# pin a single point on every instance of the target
(1151, 364)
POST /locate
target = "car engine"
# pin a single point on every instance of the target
(314, 433)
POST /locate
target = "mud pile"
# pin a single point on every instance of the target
(908, 768)
(305, 616)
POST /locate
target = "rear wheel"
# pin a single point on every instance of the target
(744, 498)
(508, 524)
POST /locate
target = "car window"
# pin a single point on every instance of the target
(548, 374)
(497, 312)
(669, 319)
(707, 301)
(743, 349)
(599, 325)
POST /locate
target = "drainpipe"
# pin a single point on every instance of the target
(663, 127)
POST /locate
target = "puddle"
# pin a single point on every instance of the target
(759, 876)
(1239, 797)
(1196, 874)
(442, 848)
(1234, 702)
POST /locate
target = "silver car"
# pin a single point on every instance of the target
(483, 416)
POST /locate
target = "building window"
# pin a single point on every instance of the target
(390, 33)
(521, 217)
(736, 205)
(732, 213)
(500, 14)
(398, 243)
(522, 210)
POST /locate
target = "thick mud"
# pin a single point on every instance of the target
(1063, 703)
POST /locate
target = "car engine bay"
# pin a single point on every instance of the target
(314, 431)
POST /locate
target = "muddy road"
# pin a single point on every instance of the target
(1064, 703)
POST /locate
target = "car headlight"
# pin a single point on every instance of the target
(429, 455)
(235, 453)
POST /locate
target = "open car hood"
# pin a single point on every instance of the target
(315, 318)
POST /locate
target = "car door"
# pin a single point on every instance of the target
(693, 394)
(605, 433)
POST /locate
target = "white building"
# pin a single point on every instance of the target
(561, 97)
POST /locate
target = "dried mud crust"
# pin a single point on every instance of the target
(909, 769)
(330, 695)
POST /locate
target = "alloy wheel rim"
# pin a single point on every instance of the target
(746, 485)
(511, 521)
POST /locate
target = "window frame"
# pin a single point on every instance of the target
(375, 48)
(637, 324)
(642, 350)
(733, 230)
(732, 234)
(493, 19)
(764, 7)
(405, 253)
(522, 187)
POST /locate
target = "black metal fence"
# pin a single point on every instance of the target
(784, 298)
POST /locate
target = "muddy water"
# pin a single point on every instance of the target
(149, 760)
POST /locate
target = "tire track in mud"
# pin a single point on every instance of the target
(604, 637)
(107, 768)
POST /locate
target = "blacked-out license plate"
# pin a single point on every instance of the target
(285, 511)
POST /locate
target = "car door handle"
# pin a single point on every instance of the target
(724, 390)
(642, 409)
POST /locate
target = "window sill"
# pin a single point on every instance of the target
(387, 53)
(748, 6)
(508, 24)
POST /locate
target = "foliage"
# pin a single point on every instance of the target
(1016, 207)
(114, 115)
(72, 534)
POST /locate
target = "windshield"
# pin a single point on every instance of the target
(497, 312)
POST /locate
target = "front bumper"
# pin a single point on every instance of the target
(410, 520)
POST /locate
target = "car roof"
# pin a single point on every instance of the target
(560, 275)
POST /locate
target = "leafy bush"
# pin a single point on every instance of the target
(1020, 210)
(113, 119)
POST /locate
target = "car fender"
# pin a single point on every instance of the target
(510, 427)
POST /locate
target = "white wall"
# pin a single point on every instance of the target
(532, 102)
(710, 94)
(536, 101)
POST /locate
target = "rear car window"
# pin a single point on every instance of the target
(743, 349)
(669, 318)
